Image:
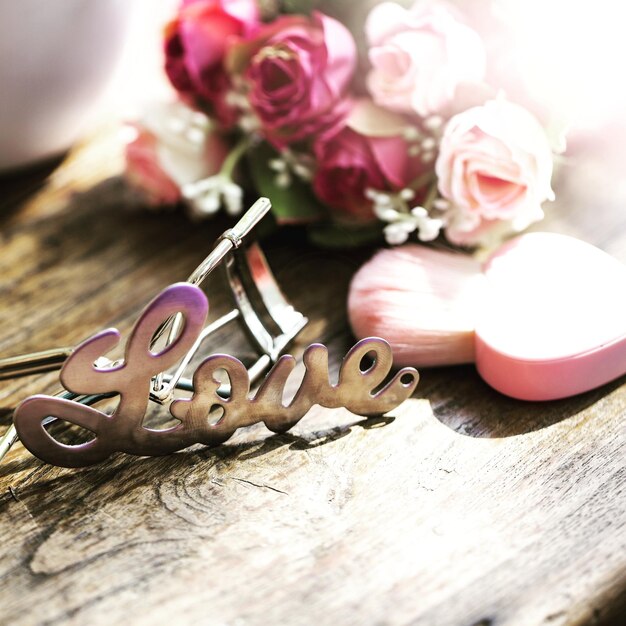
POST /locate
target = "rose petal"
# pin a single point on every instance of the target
(371, 120)
(383, 21)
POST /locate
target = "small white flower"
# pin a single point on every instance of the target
(428, 144)
(196, 135)
(199, 119)
(433, 123)
(283, 180)
(207, 195)
(387, 207)
(373, 194)
(237, 100)
(249, 123)
(412, 134)
(278, 165)
(233, 198)
(407, 194)
(289, 163)
(441, 204)
(402, 220)
(283, 175)
(398, 232)
(303, 172)
(391, 207)
(178, 128)
(176, 125)
(428, 228)
(179, 119)
(386, 213)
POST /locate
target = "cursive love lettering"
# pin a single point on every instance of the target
(357, 390)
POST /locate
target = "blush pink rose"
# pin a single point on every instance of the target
(298, 73)
(168, 148)
(144, 171)
(420, 56)
(196, 43)
(349, 164)
(494, 167)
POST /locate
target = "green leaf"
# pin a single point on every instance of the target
(294, 204)
(338, 236)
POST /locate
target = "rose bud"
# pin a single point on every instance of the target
(351, 165)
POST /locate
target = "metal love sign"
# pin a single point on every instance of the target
(133, 378)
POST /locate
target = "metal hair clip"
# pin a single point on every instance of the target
(161, 346)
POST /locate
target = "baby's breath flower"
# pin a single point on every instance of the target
(427, 227)
(290, 163)
(433, 123)
(397, 233)
(428, 144)
(412, 134)
(406, 194)
(402, 220)
(206, 196)
(387, 207)
(249, 123)
(283, 175)
(441, 204)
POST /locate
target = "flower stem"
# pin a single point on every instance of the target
(422, 180)
(233, 158)
(431, 196)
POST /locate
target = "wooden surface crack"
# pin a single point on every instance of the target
(259, 485)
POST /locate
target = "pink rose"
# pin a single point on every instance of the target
(420, 56)
(196, 43)
(169, 148)
(144, 171)
(298, 70)
(494, 167)
(350, 164)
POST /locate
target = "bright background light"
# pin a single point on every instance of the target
(139, 79)
(572, 55)
(568, 55)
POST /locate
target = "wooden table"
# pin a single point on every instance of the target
(463, 507)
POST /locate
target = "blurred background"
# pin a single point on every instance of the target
(67, 66)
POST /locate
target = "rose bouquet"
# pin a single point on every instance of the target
(361, 121)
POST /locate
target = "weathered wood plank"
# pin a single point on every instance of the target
(462, 507)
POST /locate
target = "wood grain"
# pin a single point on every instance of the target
(462, 507)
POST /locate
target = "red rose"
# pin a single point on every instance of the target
(196, 43)
(348, 166)
(298, 70)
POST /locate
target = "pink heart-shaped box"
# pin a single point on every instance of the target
(553, 323)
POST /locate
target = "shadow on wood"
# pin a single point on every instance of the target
(462, 401)
(248, 443)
